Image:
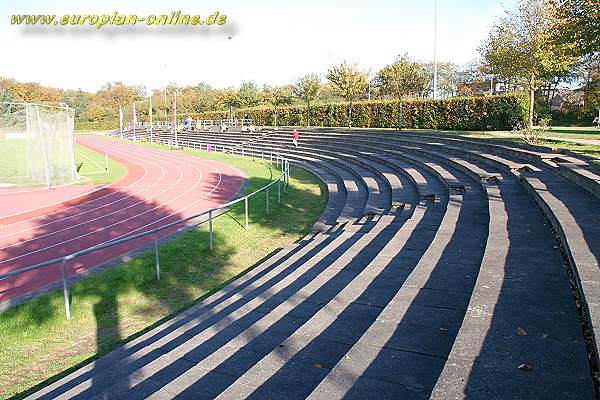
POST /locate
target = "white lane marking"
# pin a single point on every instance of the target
(88, 211)
(128, 233)
(82, 204)
(63, 201)
(129, 148)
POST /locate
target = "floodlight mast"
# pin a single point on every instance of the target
(435, 71)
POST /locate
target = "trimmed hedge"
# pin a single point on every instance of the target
(99, 125)
(503, 112)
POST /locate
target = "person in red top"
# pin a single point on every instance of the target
(296, 136)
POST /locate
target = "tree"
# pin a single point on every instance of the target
(76, 100)
(588, 73)
(277, 96)
(450, 77)
(5, 94)
(577, 25)
(349, 82)
(308, 88)
(520, 46)
(205, 97)
(227, 98)
(473, 81)
(248, 95)
(400, 79)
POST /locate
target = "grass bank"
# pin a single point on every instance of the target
(93, 166)
(37, 343)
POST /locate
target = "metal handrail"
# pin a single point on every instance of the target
(156, 231)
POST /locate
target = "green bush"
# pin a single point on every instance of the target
(98, 125)
(504, 112)
(573, 117)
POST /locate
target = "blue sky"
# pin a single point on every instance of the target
(270, 42)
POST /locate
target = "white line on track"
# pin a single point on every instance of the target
(160, 166)
(152, 154)
(82, 204)
(175, 212)
(136, 216)
(66, 200)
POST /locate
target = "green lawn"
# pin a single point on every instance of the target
(557, 132)
(574, 132)
(13, 162)
(586, 149)
(37, 343)
(92, 165)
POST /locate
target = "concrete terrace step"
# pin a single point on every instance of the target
(579, 169)
(465, 296)
(379, 192)
(230, 311)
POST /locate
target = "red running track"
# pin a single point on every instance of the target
(159, 187)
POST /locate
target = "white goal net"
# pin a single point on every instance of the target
(37, 145)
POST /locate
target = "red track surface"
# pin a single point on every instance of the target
(160, 187)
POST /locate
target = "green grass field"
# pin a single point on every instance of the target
(585, 149)
(574, 132)
(92, 165)
(555, 131)
(37, 343)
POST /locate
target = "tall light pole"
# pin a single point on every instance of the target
(435, 72)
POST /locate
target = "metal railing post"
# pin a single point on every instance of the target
(267, 200)
(246, 210)
(65, 288)
(210, 230)
(157, 253)
(279, 190)
(285, 176)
